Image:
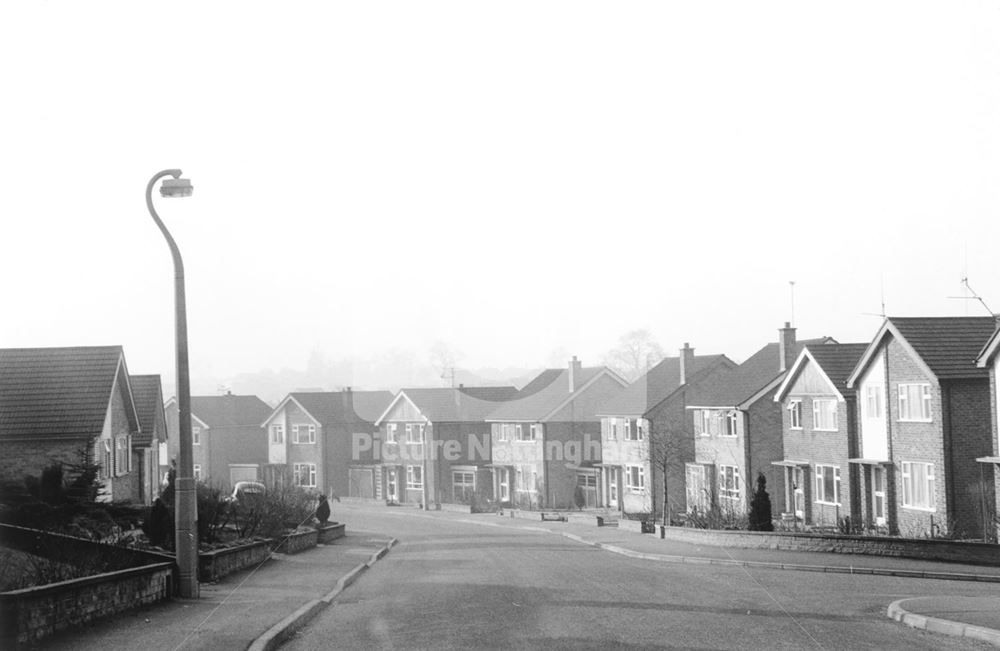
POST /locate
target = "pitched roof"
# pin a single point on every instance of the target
(59, 392)
(540, 381)
(990, 348)
(328, 406)
(544, 401)
(230, 410)
(494, 394)
(655, 385)
(947, 347)
(747, 379)
(148, 397)
(447, 405)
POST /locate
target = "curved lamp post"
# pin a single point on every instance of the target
(185, 500)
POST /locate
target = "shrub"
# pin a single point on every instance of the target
(760, 507)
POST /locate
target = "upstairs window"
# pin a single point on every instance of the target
(536, 432)
(277, 434)
(303, 433)
(391, 433)
(195, 435)
(873, 401)
(915, 402)
(825, 414)
(732, 423)
(633, 432)
(795, 414)
(414, 433)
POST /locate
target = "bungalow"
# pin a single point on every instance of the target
(547, 443)
(314, 438)
(434, 445)
(819, 428)
(925, 420)
(69, 405)
(737, 427)
(228, 442)
(643, 435)
(147, 394)
(988, 358)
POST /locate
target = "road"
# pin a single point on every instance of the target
(459, 585)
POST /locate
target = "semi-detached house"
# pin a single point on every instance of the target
(989, 358)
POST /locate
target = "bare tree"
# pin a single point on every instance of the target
(668, 450)
(635, 353)
(444, 358)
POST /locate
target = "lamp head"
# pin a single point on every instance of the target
(176, 187)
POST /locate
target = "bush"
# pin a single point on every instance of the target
(716, 517)
(760, 507)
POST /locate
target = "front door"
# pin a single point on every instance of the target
(503, 484)
(878, 495)
(392, 485)
(799, 492)
(613, 478)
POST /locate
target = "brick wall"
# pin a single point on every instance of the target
(766, 445)
(21, 458)
(971, 484)
(672, 428)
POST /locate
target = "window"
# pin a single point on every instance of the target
(825, 414)
(107, 468)
(277, 434)
(918, 485)
(391, 434)
(696, 487)
(635, 479)
(633, 431)
(536, 432)
(525, 479)
(827, 484)
(795, 414)
(732, 420)
(304, 474)
(414, 477)
(197, 472)
(303, 433)
(613, 486)
(195, 435)
(915, 402)
(121, 455)
(414, 433)
(873, 401)
(391, 485)
(519, 434)
(729, 482)
(641, 428)
(703, 422)
(463, 484)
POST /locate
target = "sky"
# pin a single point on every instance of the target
(518, 180)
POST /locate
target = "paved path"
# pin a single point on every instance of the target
(460, 581)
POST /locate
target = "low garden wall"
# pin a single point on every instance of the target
(330, 532)
(926, 549)
(70, 549)
(299, 541)
(215, 564)
(31, 614)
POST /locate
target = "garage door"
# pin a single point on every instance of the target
(242, 473)
(361, 483)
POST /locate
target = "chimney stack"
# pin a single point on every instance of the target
(575, 368)
(786, 347)
(686, 363)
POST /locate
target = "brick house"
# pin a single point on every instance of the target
(68, 405)
(228, 441)
(311, 437)
(147, 394)
(434, 445)
(989, 359)
(642, 433)
(924, 420)
(547, 443)
(737, 427)
(819, 426)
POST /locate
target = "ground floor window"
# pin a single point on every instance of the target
(729, 482)
(463, 484)
(918, 485)
(613, 486)
(304, 474)
(526, 479)
(827, 484)
(697, 488)
(197, 472)
(635, 479)
(503, 481)
(414, 477)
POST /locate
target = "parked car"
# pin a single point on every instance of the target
(247, 493)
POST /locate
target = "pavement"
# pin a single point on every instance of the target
(256, 606)
(259, 608)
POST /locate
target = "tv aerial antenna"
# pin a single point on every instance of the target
(881, 298)
(971, 295)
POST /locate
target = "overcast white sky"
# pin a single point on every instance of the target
(511, 178)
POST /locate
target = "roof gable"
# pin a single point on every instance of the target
(546, 401)
(61, 392)
(229, 410)
(833, 363)
(660, 382)
(990, 349)
(147, 394)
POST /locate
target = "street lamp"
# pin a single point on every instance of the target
(185, 498)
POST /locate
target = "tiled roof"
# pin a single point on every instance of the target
(542, 402)
(230, 410)
(328, 406)
(837, 361)
(494, 394)
(655, 385)
(148, 398)
(948, 345)
(746, 379)
(57, 392)
(447, 405)
(990, 348)
(540, 381)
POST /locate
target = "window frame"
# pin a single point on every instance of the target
(735, 493)
(297, 469)
(277, 434)
(196, 471)
(297, 434)
(195, 435)
(639, 485)
(731, 420)
(413, 482)
(795, 413)
(817, 409)
(903, 397)
(909, 481)
(873, 398)
(820, 473)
